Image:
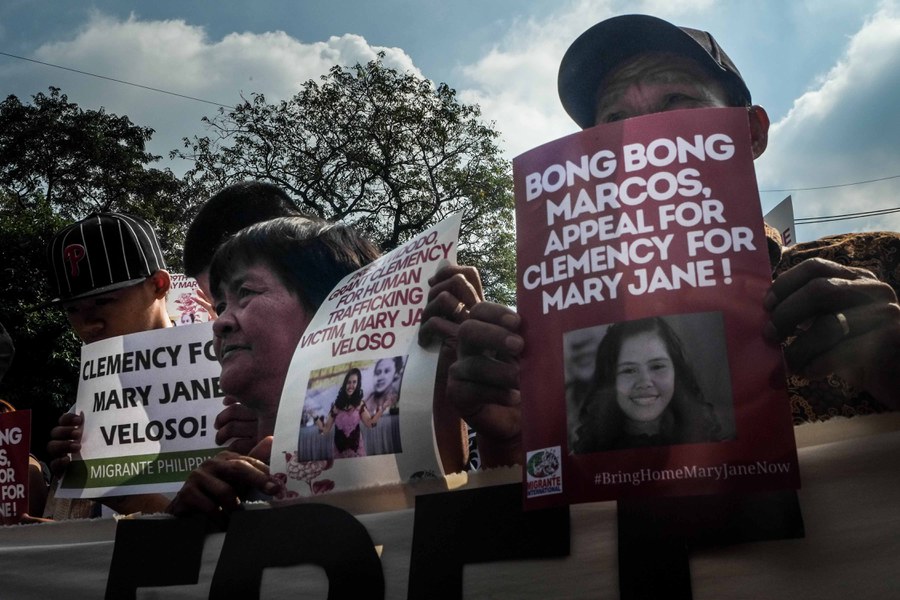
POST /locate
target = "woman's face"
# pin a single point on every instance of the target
(259, 326)
(351, 384)
(645, 378)
(384, 375)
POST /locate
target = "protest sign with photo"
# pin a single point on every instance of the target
(15, 441)
(356, 410)
(642, 268)
(181, 302)
(149, 402)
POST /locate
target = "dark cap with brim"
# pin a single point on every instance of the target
(602, 48)
(102, 253)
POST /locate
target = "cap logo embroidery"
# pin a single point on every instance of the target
(74, 254)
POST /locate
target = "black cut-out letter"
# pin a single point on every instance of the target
(154, 553)
(294, 535)
(453, 529)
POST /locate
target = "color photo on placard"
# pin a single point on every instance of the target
(353, 410)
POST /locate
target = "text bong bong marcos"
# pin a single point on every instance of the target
(683, 201)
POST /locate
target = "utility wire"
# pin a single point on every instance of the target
(797, 221)
(137, 85)
(844, 217)
(828, 187)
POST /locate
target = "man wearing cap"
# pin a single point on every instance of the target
(843, 320)
(110, 277)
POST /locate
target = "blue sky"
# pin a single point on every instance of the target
(826, 71)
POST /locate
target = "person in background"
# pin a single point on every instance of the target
(580, 351)
(225, 213)
(833, 303)
(7, 351)
(110, 278)
(386, 375)
(385, 396)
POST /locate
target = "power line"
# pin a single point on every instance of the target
(828, 187)
(137, 85)
(798, 221)
(845, 217)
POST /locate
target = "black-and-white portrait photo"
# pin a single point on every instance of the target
(658, 381)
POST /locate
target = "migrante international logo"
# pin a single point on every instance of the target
(543, 469)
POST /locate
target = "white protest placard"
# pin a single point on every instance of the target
(366, 330)
(782, 219)
(149, 402)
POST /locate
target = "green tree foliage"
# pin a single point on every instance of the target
(58, 163)
(44, 372)
(80, 161)
(387, 151)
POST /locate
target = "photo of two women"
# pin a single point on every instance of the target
(352, 410)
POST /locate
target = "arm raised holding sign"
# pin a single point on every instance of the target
(483, 383)
(127, 296)
(268, 280)
(834, 311)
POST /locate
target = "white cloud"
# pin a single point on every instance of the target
(175, 56)
(515, 83)
(844, 131)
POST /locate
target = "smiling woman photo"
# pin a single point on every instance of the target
(347, 415)
(644, 393)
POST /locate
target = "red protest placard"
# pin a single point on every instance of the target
(642, 267)
(15, 441)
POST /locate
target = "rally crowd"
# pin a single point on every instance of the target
(258, 260)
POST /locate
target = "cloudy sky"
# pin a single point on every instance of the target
(827, 71)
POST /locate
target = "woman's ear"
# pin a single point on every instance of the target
(759, 129)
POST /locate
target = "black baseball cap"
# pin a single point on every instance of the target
(606, 45)
(101, 253)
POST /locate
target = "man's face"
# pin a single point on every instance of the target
(124, 311)
(656, 82)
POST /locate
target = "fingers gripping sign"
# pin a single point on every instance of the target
(454, 291)
(217, 486)
(838, 319)
(236, 426)
(483, 383)
(65, 440)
